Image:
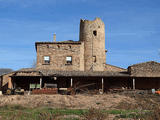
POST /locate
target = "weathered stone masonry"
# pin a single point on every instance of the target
(92, 33)
(87, 54)
(68, 63)
(58, 52)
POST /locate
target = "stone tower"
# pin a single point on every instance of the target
(92, 33)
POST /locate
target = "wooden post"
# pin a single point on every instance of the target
(14, 85)
(40, 83)
(134, 84)
(71, 82)
(102, 85)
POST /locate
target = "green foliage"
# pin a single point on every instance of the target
(95, 114)
(17, 112)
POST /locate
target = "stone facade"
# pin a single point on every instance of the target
(6, 81)
(147, 69)
(87, 54)
(92, 33)
(83, 61)
(58, 52)
(114, 68)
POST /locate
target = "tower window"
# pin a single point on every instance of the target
(95, 33)
(94, 58)
(46, 60)
(69, 60)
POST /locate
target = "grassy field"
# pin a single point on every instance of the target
(16, 112)
(143, 107)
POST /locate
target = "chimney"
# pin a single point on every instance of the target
(54, 37)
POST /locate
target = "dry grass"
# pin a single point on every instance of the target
(105, 101)
(95, 114)
(148, 106)
(130, 106)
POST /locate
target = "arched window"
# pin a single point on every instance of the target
(95, 33)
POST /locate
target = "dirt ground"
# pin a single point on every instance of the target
(106, 101)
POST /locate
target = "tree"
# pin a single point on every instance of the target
(34, 64)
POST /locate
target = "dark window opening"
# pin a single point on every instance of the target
(69, 60)
(46, 60)
(95, 33)
(94, 58)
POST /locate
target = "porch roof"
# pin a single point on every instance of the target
(84, 73)
(45, 72)
(27, 72)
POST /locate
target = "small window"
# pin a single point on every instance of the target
(94, 58)
(95, 33)
(69, 60)
(46, 60)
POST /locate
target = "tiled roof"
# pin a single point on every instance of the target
(83, 73)
(146, 69)
(44, 72)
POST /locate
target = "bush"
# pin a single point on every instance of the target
(94, 114)
(47, 116)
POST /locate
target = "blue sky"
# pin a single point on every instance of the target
(132, 28)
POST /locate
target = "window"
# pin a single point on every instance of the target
(46, 60)
(95, 33)
(69, 60)
(94, 58)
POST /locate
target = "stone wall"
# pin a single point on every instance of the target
(114, 68)
(88, 55)
(58, 53)
(147, 69)
(92, 33)
(6, 81)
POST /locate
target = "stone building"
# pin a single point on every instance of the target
(70, 64)
(87, 54)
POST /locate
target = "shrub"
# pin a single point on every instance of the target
(94, 114)
(47, 116)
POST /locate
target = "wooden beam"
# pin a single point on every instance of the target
(102, 85)
(14, 85)
(134, 85)
(40, 83)
(71, 82)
